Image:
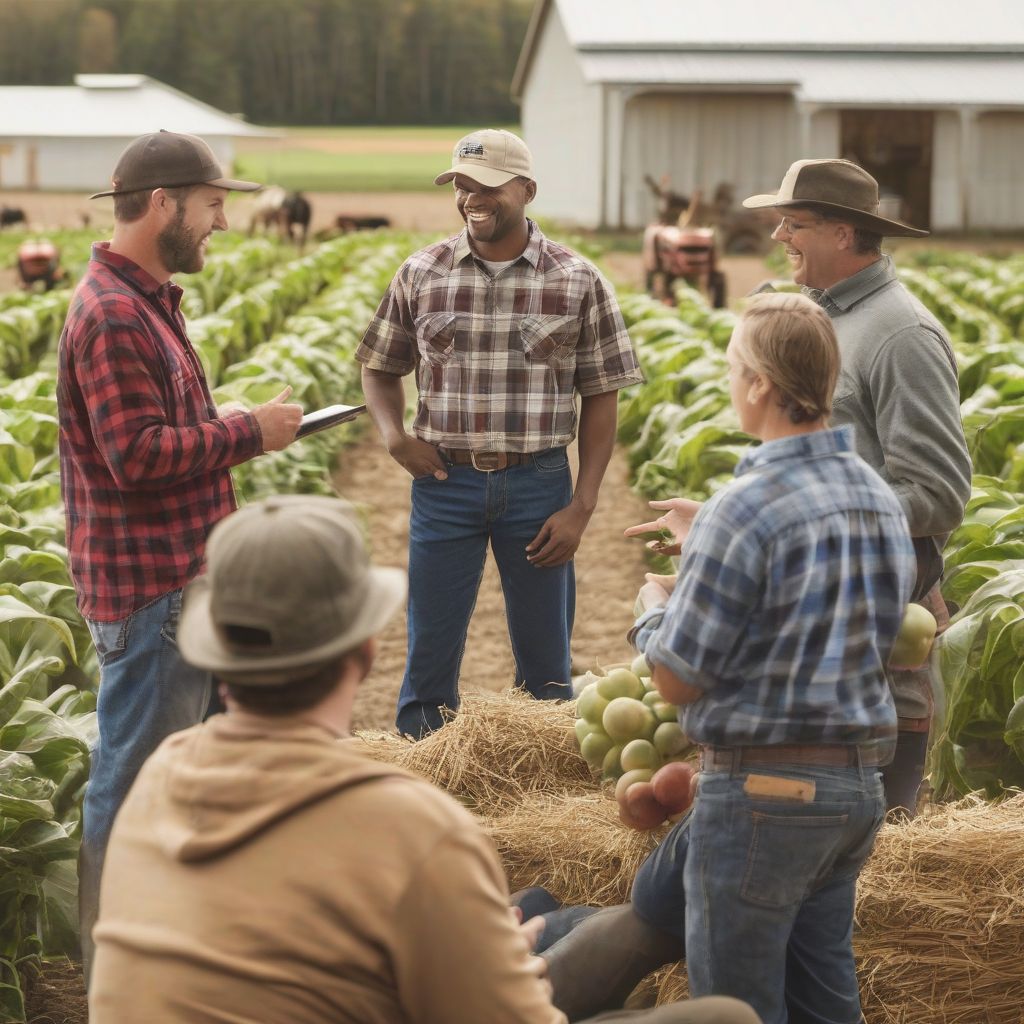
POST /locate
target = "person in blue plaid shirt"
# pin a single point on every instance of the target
(774, 641)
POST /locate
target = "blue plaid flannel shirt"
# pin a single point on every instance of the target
(791, 589)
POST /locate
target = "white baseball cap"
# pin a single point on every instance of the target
(491, 156)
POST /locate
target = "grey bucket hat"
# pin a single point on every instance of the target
(837, 185)
(288, 586)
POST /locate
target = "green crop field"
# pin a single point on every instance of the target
(349, 159)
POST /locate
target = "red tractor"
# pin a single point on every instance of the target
(672, 252)
(39, 263)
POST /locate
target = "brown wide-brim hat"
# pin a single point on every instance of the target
(169, 160)
(840, 186)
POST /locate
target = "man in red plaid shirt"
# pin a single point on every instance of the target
(145, 462)
(504, 329)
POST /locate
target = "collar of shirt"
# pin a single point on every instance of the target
(531, 253)
(800, 446)
(840, 297)
(168, 294)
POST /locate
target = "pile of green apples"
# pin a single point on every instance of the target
(624, 725)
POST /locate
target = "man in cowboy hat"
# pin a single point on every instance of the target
(898, 388)
(145, 461)
(263, 868)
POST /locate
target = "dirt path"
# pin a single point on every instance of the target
(609, 569)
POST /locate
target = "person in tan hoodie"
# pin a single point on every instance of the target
(263, 868)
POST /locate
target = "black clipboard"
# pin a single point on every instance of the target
(329, 416)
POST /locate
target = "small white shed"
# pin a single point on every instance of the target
(68, 137)
(926, 94)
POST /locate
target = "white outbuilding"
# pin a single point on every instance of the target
(928, 95)
(68, 137)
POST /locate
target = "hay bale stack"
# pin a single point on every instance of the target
(573, 844)
(940, 909)
(940, 912)
(498, 749)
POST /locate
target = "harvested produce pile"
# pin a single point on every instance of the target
(940, 904)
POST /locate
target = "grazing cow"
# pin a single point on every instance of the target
(267, 208)
(12, 215)
(294, 218)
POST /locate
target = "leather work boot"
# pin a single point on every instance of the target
(596, 966)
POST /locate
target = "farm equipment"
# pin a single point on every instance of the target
(671, 252)
(39, 263)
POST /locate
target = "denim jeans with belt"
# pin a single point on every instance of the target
(762, 890)
(450, 526)
(146, 693)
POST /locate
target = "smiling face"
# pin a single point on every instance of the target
(495, 217)
(182, 243)
(814, 247)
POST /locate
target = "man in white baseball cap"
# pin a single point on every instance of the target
(504, 328)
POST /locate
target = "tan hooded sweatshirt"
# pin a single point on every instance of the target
(264, 871)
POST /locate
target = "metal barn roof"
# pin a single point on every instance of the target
(796, 24)
(688, 41)
(110, 106)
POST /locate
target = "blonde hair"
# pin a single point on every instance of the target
(790, 341)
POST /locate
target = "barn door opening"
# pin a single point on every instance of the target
(896, 147)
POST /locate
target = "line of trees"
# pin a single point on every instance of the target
(287, 62)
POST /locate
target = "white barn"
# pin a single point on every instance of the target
(68, 137)
(926, 94)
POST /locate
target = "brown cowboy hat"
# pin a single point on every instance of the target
(837, 185)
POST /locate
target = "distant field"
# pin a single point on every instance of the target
(350, 159)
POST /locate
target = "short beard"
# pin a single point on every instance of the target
(180, 251)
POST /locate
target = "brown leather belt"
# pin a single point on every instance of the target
(833, 755)
(486, 462)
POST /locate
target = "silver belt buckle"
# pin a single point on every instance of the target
(493, 457)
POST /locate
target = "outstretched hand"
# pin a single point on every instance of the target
(678, 517)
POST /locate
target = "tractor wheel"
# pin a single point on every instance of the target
(717, 288)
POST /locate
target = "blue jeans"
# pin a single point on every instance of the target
(451, 523)
(761, 890)
(146, 692)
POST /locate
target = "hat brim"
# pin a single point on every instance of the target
(202, 646)
(231, 184)
(868, 221)
(481, 175)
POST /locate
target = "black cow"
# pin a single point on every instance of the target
(12, 215)
(295, 216)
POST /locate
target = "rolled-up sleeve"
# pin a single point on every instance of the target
(720, 583)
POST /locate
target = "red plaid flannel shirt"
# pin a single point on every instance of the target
(498, 359)
(144, 459)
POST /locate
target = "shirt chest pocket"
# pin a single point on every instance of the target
(184, 382)
(435, 337)
(549, 339)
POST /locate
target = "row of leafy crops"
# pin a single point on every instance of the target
(259, 320)
(682, 437)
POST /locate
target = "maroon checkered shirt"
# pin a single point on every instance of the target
(144, 460)
(498, 358)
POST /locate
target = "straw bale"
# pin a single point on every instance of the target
(940, 917)
(572, 844)
(940, 909)
(497, 749)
